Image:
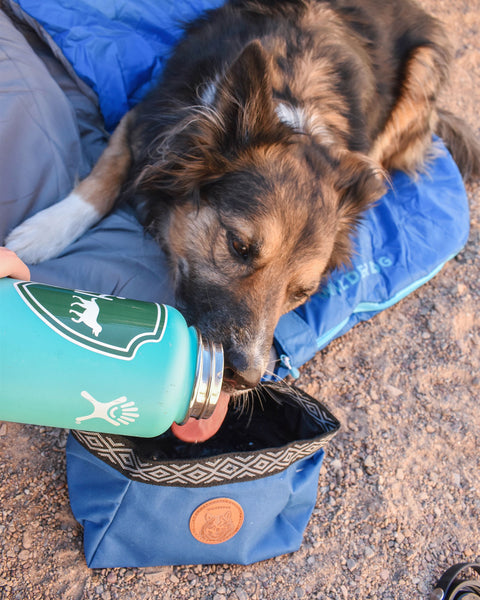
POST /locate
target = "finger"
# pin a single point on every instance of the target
(12, 266)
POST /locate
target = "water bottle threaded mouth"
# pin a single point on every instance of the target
(208, 379)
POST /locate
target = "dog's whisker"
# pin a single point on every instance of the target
(267, 390)
(259, 397)
(272, 373)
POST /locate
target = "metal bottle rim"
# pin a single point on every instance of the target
(208, 379)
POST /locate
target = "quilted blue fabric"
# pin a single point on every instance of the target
(118, 47)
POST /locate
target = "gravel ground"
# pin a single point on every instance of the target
(399, 492)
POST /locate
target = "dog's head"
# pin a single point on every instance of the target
(257, 214)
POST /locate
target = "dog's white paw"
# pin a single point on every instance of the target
(49, 232)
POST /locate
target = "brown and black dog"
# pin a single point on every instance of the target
(271, 132)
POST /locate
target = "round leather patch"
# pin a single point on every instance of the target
(216, 521)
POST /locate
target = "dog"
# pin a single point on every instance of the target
(272, 130)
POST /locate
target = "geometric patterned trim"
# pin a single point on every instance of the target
(217, 470)
(213, 470)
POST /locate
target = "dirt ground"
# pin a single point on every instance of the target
(399, 492)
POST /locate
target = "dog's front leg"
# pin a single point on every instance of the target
(49, 232)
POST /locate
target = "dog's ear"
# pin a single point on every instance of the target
(360, 183)
(200, 148)
(244, 102)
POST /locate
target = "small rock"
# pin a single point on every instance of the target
(336, 464)
(430, 428)
(393, 391)
(440, 308)
(369, 462)
(157, 577)
(112, 577)
(369, 552)
(27, 540)
(241, 593)
(351, 564)
(3, 429)
(423, 587)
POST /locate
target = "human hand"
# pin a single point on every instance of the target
(12, 266)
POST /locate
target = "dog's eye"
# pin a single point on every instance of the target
(301, 296)
(238, 246)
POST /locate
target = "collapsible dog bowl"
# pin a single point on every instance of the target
(245, 495)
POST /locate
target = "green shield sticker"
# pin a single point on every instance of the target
(106, 324)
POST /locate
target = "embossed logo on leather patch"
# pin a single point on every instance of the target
(216, 521)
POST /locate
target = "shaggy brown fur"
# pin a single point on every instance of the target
(268, 137)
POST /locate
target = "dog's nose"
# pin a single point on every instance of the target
(242, 380)
(240, 373)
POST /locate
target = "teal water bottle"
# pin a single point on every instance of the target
(95, 362)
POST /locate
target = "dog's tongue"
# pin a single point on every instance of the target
(200, 430)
